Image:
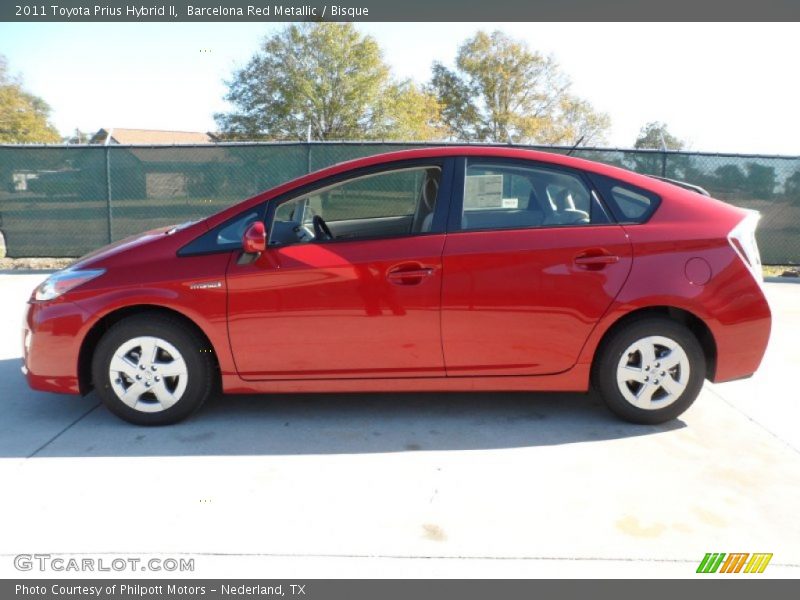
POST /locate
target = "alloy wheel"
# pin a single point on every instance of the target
(148, 374)
(653, 372)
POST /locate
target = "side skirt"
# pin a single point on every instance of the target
(574, 380)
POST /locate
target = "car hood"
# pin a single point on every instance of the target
(95, 257)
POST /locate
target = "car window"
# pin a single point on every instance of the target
(630, 203)
(224, 237)
(509, 196)
(389, 203)
(231, 233)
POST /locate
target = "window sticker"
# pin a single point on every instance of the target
(483, 191)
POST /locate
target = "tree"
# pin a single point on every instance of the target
(656, 136)
(326, 76)
(23, 116)
(411, 114)
(761, 181)
(501, 90)
(578, 119)
(730, 178)
(791, 188)
(458, 109)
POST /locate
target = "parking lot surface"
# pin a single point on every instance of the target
(392, 485)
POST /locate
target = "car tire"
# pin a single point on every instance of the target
(151, 369)
(650, 371)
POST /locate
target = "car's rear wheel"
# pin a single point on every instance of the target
(650, 371)
(150, 369)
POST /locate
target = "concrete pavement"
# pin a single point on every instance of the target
(456, 485)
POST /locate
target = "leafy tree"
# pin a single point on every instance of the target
(326, 76)
(791, 188)
(730, 178)
(459, 109)
(578, 119)
(754, 181)
(411, 114)
(501, 90)
(761, 181)
(23, 116)
(656, 136)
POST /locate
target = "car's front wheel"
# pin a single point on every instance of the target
(650, 371)
(150, 369)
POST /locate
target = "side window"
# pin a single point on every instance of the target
(225, 237)
(231, 233)
(389, 203)
(513, 196)
(629, 204)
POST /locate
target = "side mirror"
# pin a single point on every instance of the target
(254, 240)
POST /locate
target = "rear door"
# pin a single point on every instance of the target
(531, 263)
(363, 304)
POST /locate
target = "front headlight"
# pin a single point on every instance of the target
(63, 281)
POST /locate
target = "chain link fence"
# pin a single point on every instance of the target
(63, 201)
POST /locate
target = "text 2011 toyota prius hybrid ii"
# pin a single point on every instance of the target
(436, 269)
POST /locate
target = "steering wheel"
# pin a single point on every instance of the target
(321, 229)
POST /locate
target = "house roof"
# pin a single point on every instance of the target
(150, 136)
(198, 156)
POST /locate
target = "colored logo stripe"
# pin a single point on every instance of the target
(710, 562)
(734, 563)
(716, 561)
(758, 563)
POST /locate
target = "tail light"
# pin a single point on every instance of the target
(742, 239)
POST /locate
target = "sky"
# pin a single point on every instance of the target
(725, 87)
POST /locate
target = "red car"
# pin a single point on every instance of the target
(451, 269)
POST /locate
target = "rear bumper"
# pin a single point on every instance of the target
(742, 335)
(51, 340)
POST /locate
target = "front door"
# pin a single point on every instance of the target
(350, 285)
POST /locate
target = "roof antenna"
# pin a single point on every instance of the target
(575, 147)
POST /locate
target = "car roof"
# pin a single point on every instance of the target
(554, 158)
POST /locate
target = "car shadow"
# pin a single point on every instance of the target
(39, 424)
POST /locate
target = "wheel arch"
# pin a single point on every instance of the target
(695, 324)
(96, 332)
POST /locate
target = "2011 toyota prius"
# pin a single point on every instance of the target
(436, 269)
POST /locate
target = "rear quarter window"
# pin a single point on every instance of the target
(631, 204)
(628, 203)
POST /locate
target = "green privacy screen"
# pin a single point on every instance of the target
(63, 201)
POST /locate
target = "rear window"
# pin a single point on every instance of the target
(629, 204)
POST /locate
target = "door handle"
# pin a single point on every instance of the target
(595, 258)
(401, 276)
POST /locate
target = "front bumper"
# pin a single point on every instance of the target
(51, 340)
